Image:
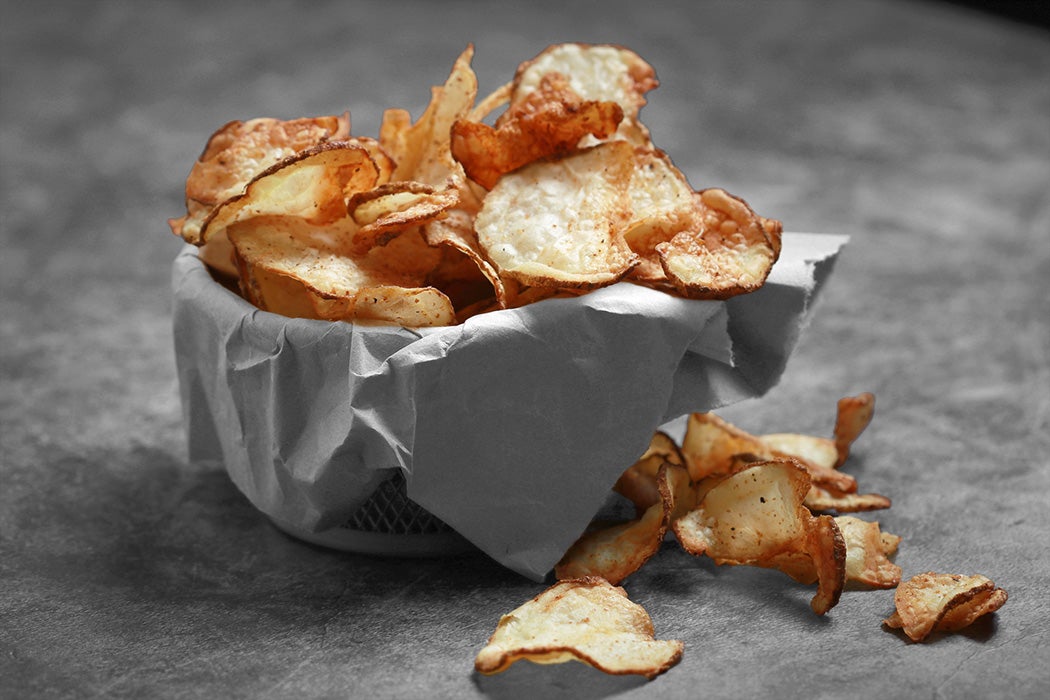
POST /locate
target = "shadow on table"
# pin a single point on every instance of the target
(569, 680)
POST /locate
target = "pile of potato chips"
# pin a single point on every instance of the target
(740, 499)
(449, 216)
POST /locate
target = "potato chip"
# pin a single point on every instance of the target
(662, 205)
(294, 268)
(587, 620)
(387, 210)
(615, 551)
(821, 499)
(597, 72)
(559, 223)
(867, 553)
(550, 121)
(728, 253)
(932, 602)
(854, 415)
(311, 185)
(639, 482)
(240, 150)
(712, 446)
(755, 516)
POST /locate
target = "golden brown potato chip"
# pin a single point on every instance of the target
(638, 483)
(597, 72)
(422, 150)
(867, 553)
(728, 253)
(387, 210)
(711, 446)
(662, 205)
(854, 415)
(311, 185)
(587, 620)
(294, 268)
(830, 500)
(240, 150)
(548, 122)
(932, 602)
(755, 516)
(559, 223)
(615, 551)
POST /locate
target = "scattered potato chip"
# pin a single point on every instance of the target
(587, 620)
(829, 500)
(854, 415)
(755, 516)
(559, 223)
(867, 553)
(639, 482)
(932, 602)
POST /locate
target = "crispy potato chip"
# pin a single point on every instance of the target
(829, 500)
(422, 150)
(559, 223)
(932, 602)
(662, 205)
(294, 268)
(755, 516)
(854, 415)
(729, 253)
(550, 121)
(310, 185)
(240, 150)
(711, 446)
(615, 551)
(587, 620)
(387, 210)
(867, 553)
(597, 72)
(638, 483)
(817, 451)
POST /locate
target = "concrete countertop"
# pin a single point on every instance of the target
(918, 129)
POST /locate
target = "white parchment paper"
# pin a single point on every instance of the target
(511, 427)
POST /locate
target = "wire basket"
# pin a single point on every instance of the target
(388, 523)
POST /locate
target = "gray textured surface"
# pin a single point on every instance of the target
(919, 130)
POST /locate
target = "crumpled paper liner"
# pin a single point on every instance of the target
(511, 428)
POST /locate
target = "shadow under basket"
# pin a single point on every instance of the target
(388, 524)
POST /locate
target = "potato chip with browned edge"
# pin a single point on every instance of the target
(237, 152)
(755, 516)
(868, 552)
(934, 602)
(587, 620)
(548, 122)
(854, 415)
(559, 223)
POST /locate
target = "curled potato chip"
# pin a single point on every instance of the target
(639, 482)
(854, 415)
(932, 602)
(239, 151)
(385, 211)
(294, 268)
(598, 72)
(830, 500)
(755, 516)
(559, 223)
(711, 445)
(867, 553)
(616, 551)
(310, 185)
(729, 252)
(587, 620)
(550, 121)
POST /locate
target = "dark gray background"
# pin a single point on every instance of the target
(919, 129)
